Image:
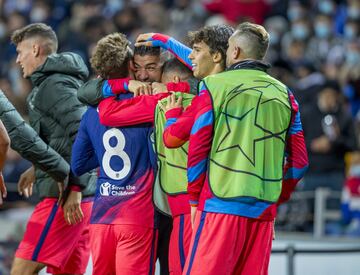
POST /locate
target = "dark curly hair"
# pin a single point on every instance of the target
(216, 37)
(111, 56)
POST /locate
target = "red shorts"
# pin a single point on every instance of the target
(122, 249)
(49, 240)
(229, 244)
(179, 243)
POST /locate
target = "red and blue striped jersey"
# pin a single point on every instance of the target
(132, 111)
(126, 174)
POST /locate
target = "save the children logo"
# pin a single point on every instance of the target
(105, 189)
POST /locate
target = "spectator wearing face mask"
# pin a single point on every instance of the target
(350, 75)
(351, 30)
(295, 11)
(276, 26)
(294, 41)
(323, 41)
(353, 10)
(335, 11)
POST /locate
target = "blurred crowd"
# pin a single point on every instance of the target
(315, 51)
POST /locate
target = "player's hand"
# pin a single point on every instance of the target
(172, 103)
(158, 88)
(139, 88)
(144, 40)
(193, 215)
(72, 208)
(26, 182)
(3, 191)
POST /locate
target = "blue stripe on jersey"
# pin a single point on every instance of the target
(295, 173)
(107, 90)
(181, 242)
(44, 232)
(245, 206)
(296, 126)
(195, 171)
(196, 242)
(205, 119)
(180, 51)
(170, 122)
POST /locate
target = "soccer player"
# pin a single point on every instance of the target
(55, 113)
(246, 154)
(146, 65)
(123, 230)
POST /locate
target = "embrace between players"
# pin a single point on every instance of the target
(207, 138)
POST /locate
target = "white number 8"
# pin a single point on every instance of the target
(118, 150)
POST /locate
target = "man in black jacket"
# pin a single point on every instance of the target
(329, 134)
(55, 114)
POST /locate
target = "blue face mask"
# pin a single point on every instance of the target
(294, 14)
(274, 38)
(349, 32)
(352, 57)
(322, 30)
(300, 32)
(353, 13)
(326, 7)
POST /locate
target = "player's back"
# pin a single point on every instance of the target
(126, 175)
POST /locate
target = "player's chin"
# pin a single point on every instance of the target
(196, 74)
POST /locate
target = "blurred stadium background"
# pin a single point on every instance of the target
(315, 50)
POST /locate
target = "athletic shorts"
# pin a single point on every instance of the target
(49, 240)
(179, 243)
(229, 244)
(122, 249)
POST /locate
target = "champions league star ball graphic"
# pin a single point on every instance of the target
(250, 131)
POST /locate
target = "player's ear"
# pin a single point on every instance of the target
(36, 49)
(217, 57)
(236, 52)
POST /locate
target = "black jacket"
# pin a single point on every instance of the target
(55, 114)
